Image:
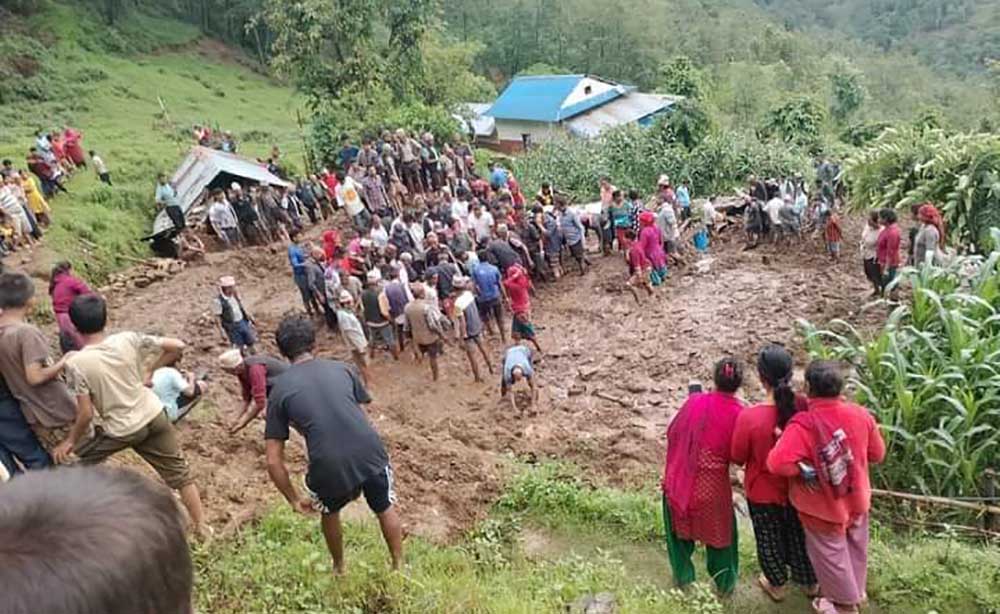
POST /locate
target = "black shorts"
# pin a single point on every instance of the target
(490, 310)
(379, 491)
(433, 350)
(576, 250)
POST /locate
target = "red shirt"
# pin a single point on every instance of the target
(64, 290)
(330, 181)
(253, 384)
(832, 231)
(752, 440)
(818, 509)
(637, 260)
(887, 248)
(518, 283)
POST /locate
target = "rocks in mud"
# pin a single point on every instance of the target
(601, 603)
(145, 274)
(586, 373)
(636, 387)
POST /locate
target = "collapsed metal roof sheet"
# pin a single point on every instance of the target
(624, 110)
(197, 172)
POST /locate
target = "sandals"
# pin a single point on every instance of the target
(776, 593)
(822, 605)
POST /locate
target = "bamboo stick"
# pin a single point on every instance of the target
(979, 507)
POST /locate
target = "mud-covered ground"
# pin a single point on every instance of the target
(612, 374)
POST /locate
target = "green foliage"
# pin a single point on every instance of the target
(541, 68)
(849, 92)
(635, 157)
(680, 77)
(863, 133)
(931, 376)
(960, 173)
(687, 123)
(799, 121)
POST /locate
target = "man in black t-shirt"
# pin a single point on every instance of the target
(322, 399)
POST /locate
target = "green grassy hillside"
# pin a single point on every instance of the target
(109, 83)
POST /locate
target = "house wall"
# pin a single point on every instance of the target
(579, 93)
(509, 131)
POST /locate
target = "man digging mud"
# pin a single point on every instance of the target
(322, 399)
(517, 366)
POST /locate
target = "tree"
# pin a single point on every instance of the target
(798, 121)
(680, 77)
(848, 92)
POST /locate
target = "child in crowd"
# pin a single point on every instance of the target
(833, 234)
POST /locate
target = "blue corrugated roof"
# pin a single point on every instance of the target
(540, 98)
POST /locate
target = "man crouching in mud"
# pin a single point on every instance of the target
(517, 366)
(322, 399)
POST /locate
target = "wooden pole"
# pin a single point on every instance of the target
(991, 521)
(968, 505)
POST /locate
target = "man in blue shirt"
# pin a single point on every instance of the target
(498, 176)
(684, 200)
(572, 233)
(297, 258)
(516, 367)
(489, 293)
(166, 197)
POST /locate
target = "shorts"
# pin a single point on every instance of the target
(433, 350)
(520, 327)
(156, 443)
(379, 492)
(382, 334)
(490, 310)
(833, 247)
(241, 334)
(576, 250)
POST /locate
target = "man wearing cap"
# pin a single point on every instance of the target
(376, 310)
(469, 325)
(428, 334)
(256, 375)
(235, 322)
(352, 333)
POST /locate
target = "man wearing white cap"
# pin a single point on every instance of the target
(352, 333)
(256, 375)
(376, 310)
(235, 322)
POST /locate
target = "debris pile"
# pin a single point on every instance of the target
(146, 273)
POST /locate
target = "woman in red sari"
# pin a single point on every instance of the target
(697, 495)
(73, 147)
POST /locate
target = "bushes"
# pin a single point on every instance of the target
(932, 376)
(960, 173)
(635, 157)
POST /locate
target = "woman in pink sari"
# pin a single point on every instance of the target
(697, 495)
(73, 146)
(651, 240)
(63, 288)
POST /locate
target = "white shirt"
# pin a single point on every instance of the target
(168, 384)
(460, 211)
(482, 225)
(773, 210)
(349, 197)
(99, 165)
(220, 214)
(379, 236)
(708, 213)
(234, 305)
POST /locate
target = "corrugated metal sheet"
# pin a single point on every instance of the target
(472, 117)
(201, 166)
(634, 107)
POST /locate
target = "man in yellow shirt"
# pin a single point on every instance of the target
(109, 378)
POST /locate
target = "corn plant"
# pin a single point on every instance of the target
(958, 172)
(931, 375)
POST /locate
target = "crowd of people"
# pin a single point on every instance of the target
(25, 192)
(416, 254)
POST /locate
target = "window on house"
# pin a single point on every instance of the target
(587, 89)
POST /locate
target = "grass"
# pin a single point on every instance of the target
(109, 83)
(551, 539)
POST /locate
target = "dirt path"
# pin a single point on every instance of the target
(612, 375)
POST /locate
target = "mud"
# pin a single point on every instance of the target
(612, 375)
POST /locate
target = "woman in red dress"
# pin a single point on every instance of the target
(697, 495)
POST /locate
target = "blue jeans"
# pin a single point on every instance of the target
(241, 334)
(17, 441)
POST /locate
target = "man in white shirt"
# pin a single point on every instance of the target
(773, 211)
(348, 194)
(481, 223)
(223, 219)
(460, 208)
(100, 167)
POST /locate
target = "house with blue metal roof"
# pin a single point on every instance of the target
(539, 108)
